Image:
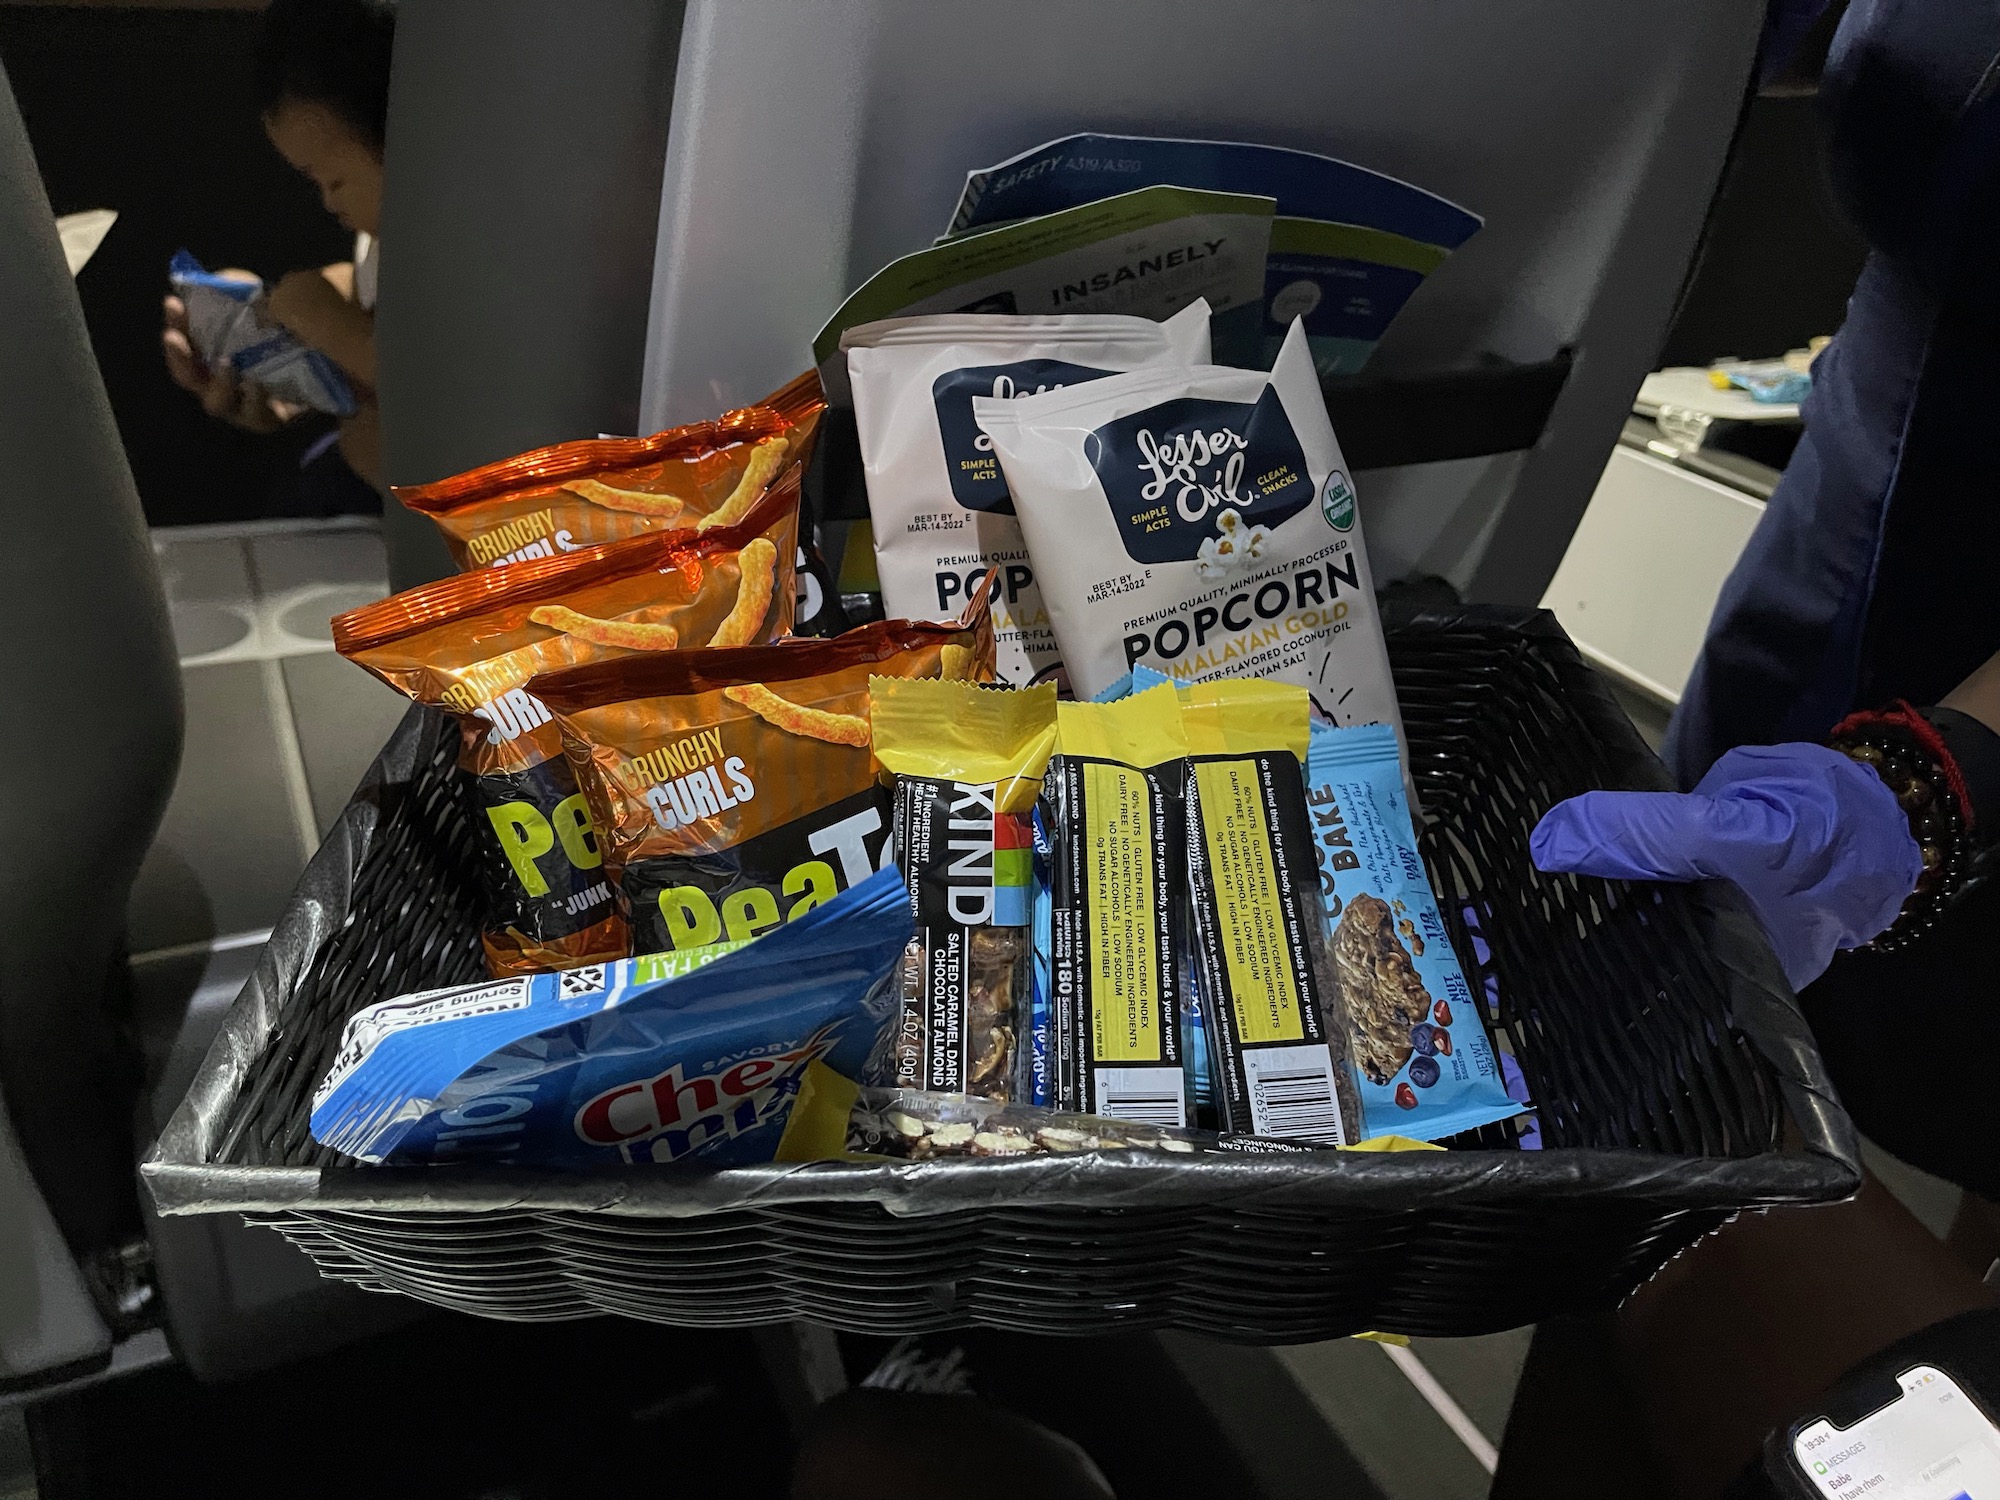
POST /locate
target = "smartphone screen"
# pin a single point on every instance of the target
(1929, 1442)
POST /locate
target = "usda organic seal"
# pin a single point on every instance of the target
(1336, 501)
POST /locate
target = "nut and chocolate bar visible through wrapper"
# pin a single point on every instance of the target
(917, 1126)
(1272, 1008)
(965, 990)
(968, 762)
(733, 787)
(1385, 994)
(470, 643)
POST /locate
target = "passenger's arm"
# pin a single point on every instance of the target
(313, 309)
(1979, 695)
(361, 441)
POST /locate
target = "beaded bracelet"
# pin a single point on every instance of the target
(1907, 752)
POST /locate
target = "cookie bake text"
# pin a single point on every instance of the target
(1330, 842)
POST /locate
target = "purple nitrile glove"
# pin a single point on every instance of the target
(1816, 842)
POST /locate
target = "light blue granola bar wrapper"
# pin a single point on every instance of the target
(1424, 1064)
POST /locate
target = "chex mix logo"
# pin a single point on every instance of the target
(976, 482)
(669, 1116)
(1192, 471)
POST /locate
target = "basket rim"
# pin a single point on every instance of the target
(1819, 1163)
(1345, 1181)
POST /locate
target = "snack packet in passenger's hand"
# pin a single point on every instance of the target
(558, 499)
(1198, 520)
(1112, 817)
(1427, 1068)
(940, 511)
(664, 1058)
(1273, 1011)
(734, 789)
(470, 644)
(230, 329)
(968, 763)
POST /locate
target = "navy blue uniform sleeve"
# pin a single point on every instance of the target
(1906, 97)
(1786, 23)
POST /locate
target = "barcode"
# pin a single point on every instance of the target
(1142, 1109)
(1144, 1096)
(1291, 1095)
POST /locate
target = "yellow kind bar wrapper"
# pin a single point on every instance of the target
(968, 763)
(1262, 960)
(961, 731)
(1117, 862)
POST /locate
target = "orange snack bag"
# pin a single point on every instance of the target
(572, 495)
(469, 644)
(736, 789)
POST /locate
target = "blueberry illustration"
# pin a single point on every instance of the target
(1424, 1071)
(1424, 1038)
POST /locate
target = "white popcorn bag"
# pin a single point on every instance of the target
(937, 501)
(1198, 520)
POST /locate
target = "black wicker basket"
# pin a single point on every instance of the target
(1674, 1080)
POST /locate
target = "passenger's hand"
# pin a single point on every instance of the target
(361, 440)
(223, 396)
(1818, 844)
(184, 366)
(243, 404)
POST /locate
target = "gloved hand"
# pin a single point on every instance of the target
(1816, 842)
